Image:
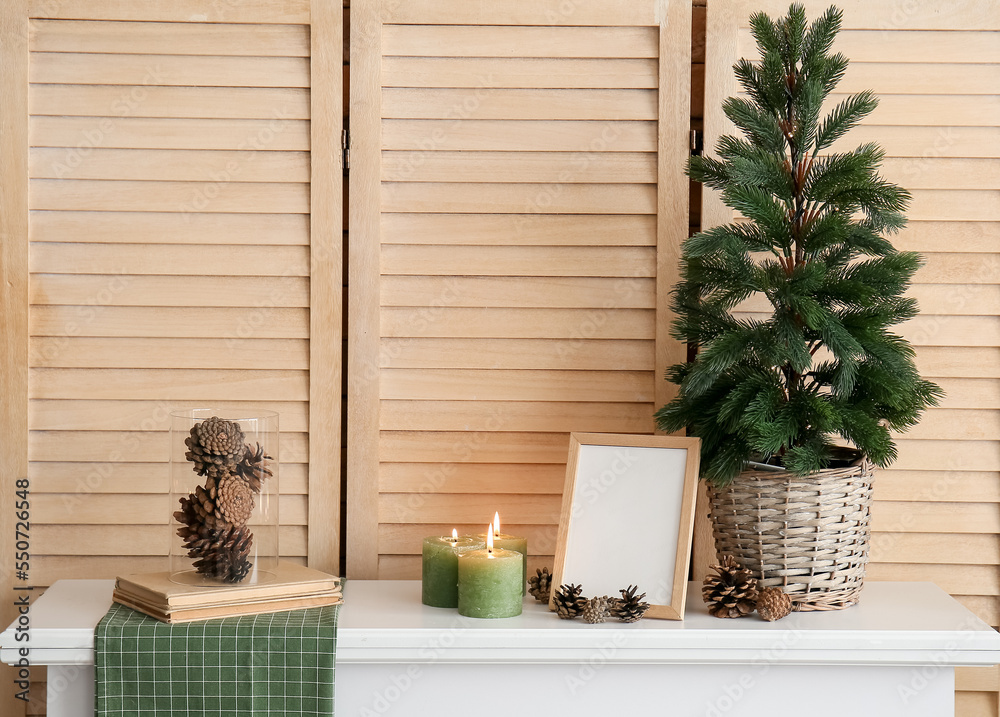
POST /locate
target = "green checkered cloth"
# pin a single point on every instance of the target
(249, 666)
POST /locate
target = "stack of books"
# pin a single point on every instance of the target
(293, 587)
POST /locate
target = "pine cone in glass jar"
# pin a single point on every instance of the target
(234, 503)
(223, 555)
(568, 602)
(215, 441)
(254, 467)
(731, 591)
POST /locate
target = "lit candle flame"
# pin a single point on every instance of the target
(454, 535)
(489, 540)
(496, 523)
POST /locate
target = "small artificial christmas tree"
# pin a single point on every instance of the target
(824, 362)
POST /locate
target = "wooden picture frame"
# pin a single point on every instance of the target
(628, 516)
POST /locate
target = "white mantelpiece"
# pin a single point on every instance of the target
(893, 654)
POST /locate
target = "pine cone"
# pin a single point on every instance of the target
(540, 585)
(732, 591)
(253, 468)
(629, 607)
(773, 604)
(215, 441)
(223, 555)
(194, 513)
(235, 500)
(568, 602)
(597, 610)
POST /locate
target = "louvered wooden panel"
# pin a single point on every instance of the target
(171, 225)
(936, 71)
(517, 204)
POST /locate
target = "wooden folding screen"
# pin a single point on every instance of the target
(517, 204)
(171, 238)
(936, 69)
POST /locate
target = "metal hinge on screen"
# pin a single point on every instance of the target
(697, 142)
(345, 143)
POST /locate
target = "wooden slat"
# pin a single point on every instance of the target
(363, 310)
(974, 237)
(526, 41)
(944, 455)
(519, 135)
(974, 425)
(246, 135)
(164, 38)
(517, 104)
(460, 197)
(183, 102)
(955, 485)
(976, 704)
(945, 330)
(222, 166)
(139, 259)
(130, 69)
(515, 416)
(518, 261)
(505, 353)
(935, 548)
(246, 11)
(864, 15)
(124, 415)
(81, 352)
(977, 679)
(14, 312)
(985, 607)
(406, 538)
(518, 323)
(527, 385)
(530, 292)
(970, 392)
(435, 509)
(971, 299)
(138, 540)
(956, 579)
(161, 290)
(521, 167)
(112, 509)
(149, 478)
(168, 385)
(935, 517)
(943, 172)
(325, 285)
(127, 321)
(950, 141)
(496, 12)
(248, 197)
(170, 227)
(518, 230)
(132, 446)
(954, 205)
(904, 45)
(541, 73)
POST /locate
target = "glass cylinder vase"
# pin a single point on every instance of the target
(224, 497)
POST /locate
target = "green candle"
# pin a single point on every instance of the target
(440, 572)
(510, 542)
(489, 583)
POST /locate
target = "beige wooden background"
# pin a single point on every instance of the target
(937, 516)
(171, 238)
(936, 69)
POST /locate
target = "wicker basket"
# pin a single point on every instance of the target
(807, 535)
